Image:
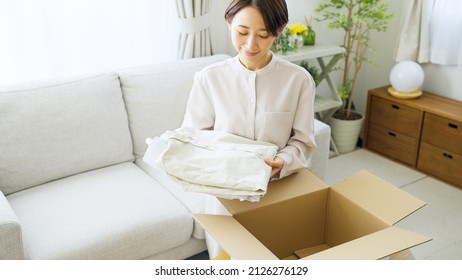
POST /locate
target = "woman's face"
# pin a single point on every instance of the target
(250, 38)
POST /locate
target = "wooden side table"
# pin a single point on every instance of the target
(324, 107)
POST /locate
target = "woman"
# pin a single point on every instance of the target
(255, 94)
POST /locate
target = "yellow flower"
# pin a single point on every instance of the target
(297, 28)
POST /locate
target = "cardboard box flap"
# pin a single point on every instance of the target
(234, 238)
(297, 184)
(373, 246)
(380, 198)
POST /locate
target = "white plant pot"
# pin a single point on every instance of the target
(345, 133)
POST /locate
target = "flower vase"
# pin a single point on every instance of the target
(309, 37)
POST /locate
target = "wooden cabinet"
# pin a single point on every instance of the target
(423, 133)
(394, 129)
(441, 148)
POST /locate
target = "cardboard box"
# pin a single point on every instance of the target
(301, 217)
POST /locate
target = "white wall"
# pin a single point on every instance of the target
(442, 80)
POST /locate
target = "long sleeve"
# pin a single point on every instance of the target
(297, 153)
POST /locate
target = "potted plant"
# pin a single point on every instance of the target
(290, 38)
(358, 19)
(314, 72)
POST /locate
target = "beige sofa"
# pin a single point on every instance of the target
(72, 183)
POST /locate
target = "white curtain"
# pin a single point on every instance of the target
(413, 42)
(194, 21)
(60, 38)
(431, 31)
(446, 32)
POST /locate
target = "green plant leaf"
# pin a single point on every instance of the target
(358, 19)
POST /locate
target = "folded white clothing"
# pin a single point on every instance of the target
(213, 162)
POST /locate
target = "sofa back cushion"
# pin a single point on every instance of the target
(156, 96)
(56, 129)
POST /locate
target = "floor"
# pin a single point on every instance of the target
(440, 219)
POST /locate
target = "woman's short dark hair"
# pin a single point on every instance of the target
(274, 12)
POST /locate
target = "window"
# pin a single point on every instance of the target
(59, 38)
(431, 32)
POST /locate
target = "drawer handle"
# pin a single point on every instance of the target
(392, 134)
(395, 106)
(452, 125)
(446, 155)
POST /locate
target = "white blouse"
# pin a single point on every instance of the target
(272, 104)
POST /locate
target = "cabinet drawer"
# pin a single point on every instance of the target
(393, 144)
(443, 133)
(440, 163)
(395, 116)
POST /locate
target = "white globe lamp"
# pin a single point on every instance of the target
(406, 79)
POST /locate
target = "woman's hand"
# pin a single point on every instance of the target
(276, 165)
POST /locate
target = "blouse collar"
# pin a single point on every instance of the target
(260, 71)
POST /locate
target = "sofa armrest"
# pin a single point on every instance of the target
(320, 157)
(11, 245)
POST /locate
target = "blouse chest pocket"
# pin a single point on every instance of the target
(277, 128)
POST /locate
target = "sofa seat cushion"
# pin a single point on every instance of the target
(116, 212)
(193, 201)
